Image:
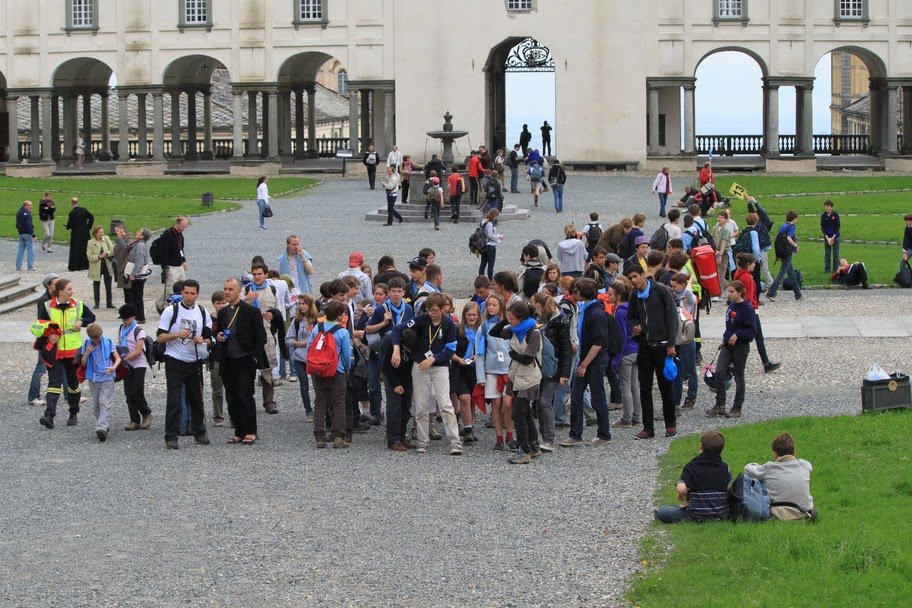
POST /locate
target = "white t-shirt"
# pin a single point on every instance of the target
(190, 318)
(673, 230)
(263, 192)
(128, 338)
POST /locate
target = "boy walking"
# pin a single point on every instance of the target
(786, 246)
(101, 360)
(703, 486)
(133, 343)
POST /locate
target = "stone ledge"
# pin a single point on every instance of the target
(791, 165)
(30, 169)
(141, 169)
(256, 168)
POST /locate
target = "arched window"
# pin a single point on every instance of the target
(342, 83)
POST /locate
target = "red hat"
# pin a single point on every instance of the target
(435, 180)
(355, 259)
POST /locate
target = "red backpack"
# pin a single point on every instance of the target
(323, 353)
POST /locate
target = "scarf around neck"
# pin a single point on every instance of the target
(521, 329)
(643, 295)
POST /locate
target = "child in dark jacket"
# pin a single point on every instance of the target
(703, 486)
(740, 324)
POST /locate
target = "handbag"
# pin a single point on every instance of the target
(143, 272)
(267, 211)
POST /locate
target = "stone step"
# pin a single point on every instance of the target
(8, 281)
(29, 299)
(14, 294)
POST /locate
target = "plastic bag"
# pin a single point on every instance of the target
(671, 369)
(876, 372)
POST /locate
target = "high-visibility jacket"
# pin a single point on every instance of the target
(65, 318)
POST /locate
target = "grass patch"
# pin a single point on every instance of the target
(153, 203)
(859, 553)
(762, 185)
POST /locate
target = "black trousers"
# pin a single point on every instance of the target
(405, 189)
(136, 299)
(239, 385)
(473, 190)
(190, 376)
(397, 412)
(737, 356)
(650, 362)
(371, 175)
(391, 207)
(524, 422)
(62, 377)
(96, 286)
(134, 385)
(455, 200)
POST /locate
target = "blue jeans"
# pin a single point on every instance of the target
(558, 190)
(301, 368)
(26, 243)
(831, 255)
(514, 179)
(687, 367)
(663, 198)
(374, 396)
(671, 514)
(595, 381)
(34, 391)
(261, 205)
(487, 261)
(785, 269)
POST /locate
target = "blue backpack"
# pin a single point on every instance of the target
(748, 500)
(548, 359)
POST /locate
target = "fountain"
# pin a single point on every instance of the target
(446, 136)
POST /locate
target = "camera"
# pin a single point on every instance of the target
(226, 334)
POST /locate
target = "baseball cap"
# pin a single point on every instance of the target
(417, 263)
(613, 257)
(435, 180)
(355, 259)
(48, 278)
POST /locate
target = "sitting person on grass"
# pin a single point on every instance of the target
(849, 275)
(703, 487)
(787, 481)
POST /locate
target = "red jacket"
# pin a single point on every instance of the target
(452, 181)
(750, 288)
(706, 175)
(474, 166)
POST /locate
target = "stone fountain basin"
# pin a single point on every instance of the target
(447, 134)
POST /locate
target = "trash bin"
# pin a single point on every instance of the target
(207, 199)
(895, 392)
(115, 223)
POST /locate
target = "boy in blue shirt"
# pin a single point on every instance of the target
(331, 392)
(788, 228)
(100, 358)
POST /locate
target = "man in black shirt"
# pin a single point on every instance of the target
(173, 264)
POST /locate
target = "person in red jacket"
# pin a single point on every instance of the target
(474, 174)
(745, 273)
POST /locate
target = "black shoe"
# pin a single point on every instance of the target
(513, 444)
(436, 226)
(771, 366)
(47, 421)
(202, 439)
(71, 421)
(400, 220)
(101, 434)
(172, 445)
(425, 215)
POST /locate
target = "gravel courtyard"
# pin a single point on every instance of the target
(281, 523)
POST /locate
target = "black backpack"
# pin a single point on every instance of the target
(659, 238)
(156, 251)
(614, 341)
(478, 242)
(147, 349)
(743, 242)
(903, 278)
(781, 245)
(158, 348)
(427, 187)
(593, 235)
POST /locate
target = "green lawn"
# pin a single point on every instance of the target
(858, 554)
(153, 203)
(869, 217)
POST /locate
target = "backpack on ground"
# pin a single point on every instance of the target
(478, 242)
(787, 283)
(593, 235)
(748, 500)
(903, 278)
(156, 252)
(659, 239)
(323, 352)
(548, 358)
(781, 245)
(614, 341)
(158, 348)
(743, 242)
(148, 346)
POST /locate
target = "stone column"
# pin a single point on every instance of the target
(105, 153)
(891, 133)
(237, 126)
(287, 124)
(876, 106)
(158, 126)
(87, 125)
(807, 122)
(70, 122)
(907, 120)
(192, 152)
(35, 128)
(55, 127)
(353, 121)
(690, 140)
(299, 124)
(123, 129)
(771, 93)
(652, 148)
(142, 135)
(272, 125)
(312, 150)
(252, 136)
(177, 150)
(12, 106)
(46, 139)
(366, 96)
(388, 118)
(208, 152)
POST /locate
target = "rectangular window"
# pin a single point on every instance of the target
(519, 5)
(310, 10)
(731, 9)
(851, 9)
(83, 14)
(196, 12)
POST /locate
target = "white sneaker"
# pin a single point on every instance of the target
(717, 299)
(546, 447)
(598, 441)
(292, 378)
(455, 450)
(422, 448)
(37, 402)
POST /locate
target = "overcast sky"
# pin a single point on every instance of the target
(729, 100)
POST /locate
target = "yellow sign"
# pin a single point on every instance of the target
(738, 190)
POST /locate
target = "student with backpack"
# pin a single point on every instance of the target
(556, 364)
(513, 160)
(135, 352)
(494, 191)
(457, 187)
(702, 487)
(740, 323)
(592, 232)
(100, 360)
(557, 177)
(296, 339)
(785, 246)
(624, 362)
(492, 240)
(536, 175)
(787, 481)
(746, 263)
(329, 358)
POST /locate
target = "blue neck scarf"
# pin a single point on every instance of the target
(255, 287)
(397, 311)
(645, 293)
(125, 333)
(523, 328)
(579, 319)
(471, 335)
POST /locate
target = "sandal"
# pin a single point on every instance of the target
(249, 439)
(234, 440)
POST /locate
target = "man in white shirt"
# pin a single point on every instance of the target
(354, 270)
(394, 159)
(185, 329)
